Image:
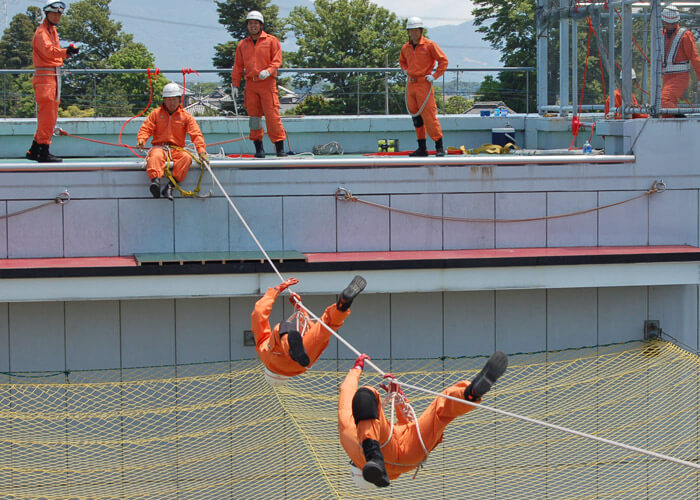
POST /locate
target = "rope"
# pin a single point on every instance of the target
(60, 199)
(150, 75)
(405, 99)
(343, 194)
(168, 173)
(657, 186)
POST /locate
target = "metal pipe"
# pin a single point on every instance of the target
(364, 162)
(563, 60)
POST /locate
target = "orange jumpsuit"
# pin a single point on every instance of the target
(46, 54)
(418, 62)
(675, 83)
(260, 95)
(274, 351)
(170, 130)
(403, 452)
(618, 103)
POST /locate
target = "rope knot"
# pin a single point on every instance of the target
(343, 194)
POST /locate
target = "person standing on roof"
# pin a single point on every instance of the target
(168, 125)
(379, 450)
(417, 60)
(259, 55)
(47, 57)
(618, 101)
(680, 53)
(284, 350)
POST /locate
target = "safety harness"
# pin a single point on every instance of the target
(168, 172)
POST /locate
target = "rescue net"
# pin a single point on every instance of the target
(219, 431)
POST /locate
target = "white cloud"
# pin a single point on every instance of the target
(432, 13)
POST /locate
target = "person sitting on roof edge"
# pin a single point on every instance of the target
(379, 450)
(284, 350)
(168, 125)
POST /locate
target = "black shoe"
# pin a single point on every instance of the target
(154, 188)
(351, 291)
(259, 151)
(421, 151)
(374, 470)
(492, 371)
(279, 149)
(296, 348)
(33, 152)
(439, 149)
(45, 155)
(168, 191)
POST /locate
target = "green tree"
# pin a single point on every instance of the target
(457, 105)
(347, 34)
(509, 27)
(232, 14)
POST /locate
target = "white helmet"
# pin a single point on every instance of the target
(671, 15)
(360, 481)
(414, 22)
(634, 74)
(256, 16)
(274, 379)
(54, 6)
(171, 89)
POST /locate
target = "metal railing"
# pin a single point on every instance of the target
(457, 85)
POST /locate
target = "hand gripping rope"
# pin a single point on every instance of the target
(438, 394)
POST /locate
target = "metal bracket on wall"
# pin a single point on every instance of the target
(652, 329)
(248, 338)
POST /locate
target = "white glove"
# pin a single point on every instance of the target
(429, 78)
(264, 74)
(234, 92)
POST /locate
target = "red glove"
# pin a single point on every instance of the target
(294, 298)
(392, 386)
(360, 361)
(286, 284)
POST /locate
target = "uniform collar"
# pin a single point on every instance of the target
(262, 35)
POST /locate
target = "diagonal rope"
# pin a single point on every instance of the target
(438, 394)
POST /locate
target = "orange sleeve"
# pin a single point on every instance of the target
(148, 127)
(47, 53)
(607, 105)
(260, 323)
(441, 59)
(196, 134)
(275, 56)
(402, 59)
(689, 51)
(237, 70)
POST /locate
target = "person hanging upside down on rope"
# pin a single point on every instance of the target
(417, 60)
(379, 450)
(260, 55)
(168, 124)
(293, 346)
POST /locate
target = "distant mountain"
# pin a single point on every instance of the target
(183, 33)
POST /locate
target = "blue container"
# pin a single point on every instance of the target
(485, 112)
(502, 136)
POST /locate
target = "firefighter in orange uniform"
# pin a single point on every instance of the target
(260, 55)
(380, 451)
(168, 125)
(417, 60)
(618, 101)
(47, 57)
(680, 54)
(283, 350)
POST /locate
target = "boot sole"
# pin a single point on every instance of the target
(354, 289)
(296, 348)
(493, 370)
(374, 474)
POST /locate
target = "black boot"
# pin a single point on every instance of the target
(33, 153)
(279, 149)
(492, 370)
(421, 151)
(296, 348)
(351, 291)
(45, 155)
(259, 151)
(168, 191)
(154, 187)
(439, 150)
(374, 470)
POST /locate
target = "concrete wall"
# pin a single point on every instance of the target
(119, 334)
